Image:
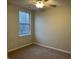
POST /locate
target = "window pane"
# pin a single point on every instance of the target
(24, 28)
(24, 17)
(24, 23)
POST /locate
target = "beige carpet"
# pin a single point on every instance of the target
(37, 52)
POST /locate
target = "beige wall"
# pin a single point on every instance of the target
(52, 27)
(14, 40)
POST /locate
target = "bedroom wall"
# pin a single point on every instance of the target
(14, 40)
(53, 27)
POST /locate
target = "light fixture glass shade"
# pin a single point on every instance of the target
(39, 4)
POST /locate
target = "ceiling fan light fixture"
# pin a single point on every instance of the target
(39, 4)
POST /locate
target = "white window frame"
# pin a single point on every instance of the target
(30, 23)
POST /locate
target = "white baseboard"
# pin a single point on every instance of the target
(19, 47)
(68, 52)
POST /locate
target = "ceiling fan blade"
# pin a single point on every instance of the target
(53, 5)
(45, 0)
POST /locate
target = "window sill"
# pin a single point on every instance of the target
(25, 35)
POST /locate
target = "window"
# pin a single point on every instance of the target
(24, 23)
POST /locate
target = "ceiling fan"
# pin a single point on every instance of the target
(44, 3)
